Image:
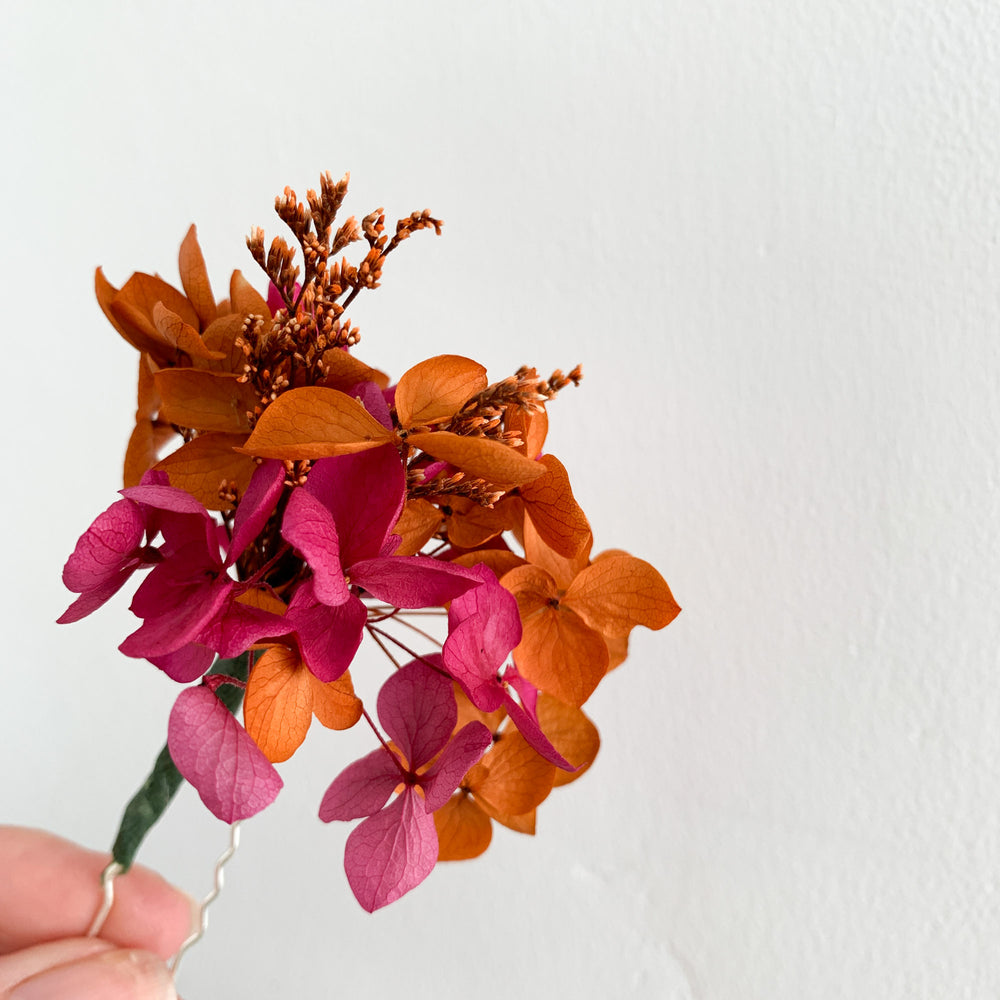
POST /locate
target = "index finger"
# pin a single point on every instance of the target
(51, 889)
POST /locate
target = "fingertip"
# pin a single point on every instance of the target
(120, 974)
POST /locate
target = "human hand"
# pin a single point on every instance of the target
(49, 893)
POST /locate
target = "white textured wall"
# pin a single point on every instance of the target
(769, 233)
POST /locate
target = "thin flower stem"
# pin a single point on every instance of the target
(406, 649)
(388, 749)
(383, 647)
(419, 631)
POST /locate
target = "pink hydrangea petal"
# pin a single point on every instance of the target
(412, 581)
(309, 526)
(168, 498)
(365, 493)
(391, 852)
(416, 707)
(91, 600)
(238, 627)
(532, 732)
(105, 547)
(465, 659)
(362, 788)
(256, 506)
(182, 623)
(328, 637)
(496, 608)
(464, 749)
(218, 757)
(185, 664)
(373, 400)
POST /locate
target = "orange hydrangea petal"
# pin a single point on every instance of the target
(464, 830)
(219, 338)
(571, 733)
(344, 371)
(182, 335)
(144, 445)
(435, 389)
(277, 709)
(553, 509)
(208, 401)
(334, 703)
(524, 823)
(194, 278)
(479, 457)
(563, 570)
(201, 465)
(515, 778)
(416, 526)
(561, 654)
(533, 587)
(261, 597)
(133, 307)
(245, 299)
(470, 524)
(532, 428)
(616, 593)
(501, 561)
(315, 422)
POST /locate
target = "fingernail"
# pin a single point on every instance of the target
(113, 975)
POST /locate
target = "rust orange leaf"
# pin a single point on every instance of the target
(435, 389)
(416, 526)
(516, 778)
(479, 457)
(245, 299)
(571, 733)
(277, 709)
(201, 465)
(618, 592)
(194, 278)
(183, 336)
(219, 338)
(208, 401)
(315, 422)
(553, 509)
(334, 703)
(464, 830)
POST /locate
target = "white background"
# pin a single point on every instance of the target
(768, 231)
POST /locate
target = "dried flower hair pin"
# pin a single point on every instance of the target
(308, 505)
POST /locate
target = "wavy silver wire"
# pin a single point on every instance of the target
(234, 842)
(108, 876)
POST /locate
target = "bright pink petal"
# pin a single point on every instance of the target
(185, 664)
(496, 608)
(466, 747)
(391, 852)
(309, 526)
(364, 492)
(105, 548)
(91, 600)
(362, 788)
(238, 627)
(182, 622)
(215, 753)
(412, 581)
(374, 401)
(164, 498)
(328, 637)
(416, 707)
(532, 732)
(256, 506)
(465, 658)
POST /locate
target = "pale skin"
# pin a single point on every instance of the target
(49, 893)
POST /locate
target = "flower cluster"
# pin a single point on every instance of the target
(307, 505)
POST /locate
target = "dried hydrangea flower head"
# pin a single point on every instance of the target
(287, 503)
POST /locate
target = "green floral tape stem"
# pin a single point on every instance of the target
(151, 801)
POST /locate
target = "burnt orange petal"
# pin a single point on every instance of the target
(467, 712)
(334, 703)
(533, 587)
(464, 830)
(344, 371)
(207, 401)
(616, 593)
(314, 422)
(219, 338)
(277, 709)
(617, 651)
(435, 389)
(501, 561)
(416, 526)
(524, 823)
(553, 510)
(516, 778)
(136, 299)
(144, 445)
(194, 278)
(560, 654)
(479, 457)
(183, 336)
(470, 524)
(571, 733)
(563, 570)
(532, 428)
(260, 597)
(245, 299)
(204, 463)
(147, 398)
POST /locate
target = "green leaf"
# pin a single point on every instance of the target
(151, 801)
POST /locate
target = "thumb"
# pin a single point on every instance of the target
(116, 974)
